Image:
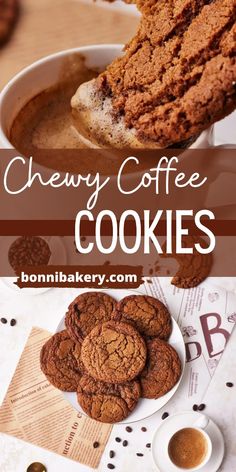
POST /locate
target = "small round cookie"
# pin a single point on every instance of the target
(60, 362)
(114, 352)
(147, 314)
(105, 402)
(86, 311)
(162, 371)
(9, 10)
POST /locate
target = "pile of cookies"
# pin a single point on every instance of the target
(112, 354)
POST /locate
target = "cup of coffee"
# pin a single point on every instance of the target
(35, 104)
(190, 448)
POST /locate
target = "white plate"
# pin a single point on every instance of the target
(58, 257)
(180, 421)
(145, 407)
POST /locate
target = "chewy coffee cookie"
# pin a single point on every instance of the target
(60, 362)
(9, 10)
(193, 268)
(114, 352)
(86, 311)
(29, 251)
(105, 402)
(162, 370)
(147, 314)
(176, 78)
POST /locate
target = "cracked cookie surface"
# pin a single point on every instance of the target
(86, 311)
(105, 402)
(114, 352)
(178, 74)
(147, 314)
(162, 370)
(60, 362)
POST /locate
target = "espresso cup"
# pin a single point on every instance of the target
(208, 445)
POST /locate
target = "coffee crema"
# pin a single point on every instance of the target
(188, 448)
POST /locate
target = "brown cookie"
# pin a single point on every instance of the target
(28, 251)
(86, 311)
(176, 78)
(9, 10)
(60, 361)
(162, 370)
(193, 268)
(147, 314)
(105, 402)
(114, 352)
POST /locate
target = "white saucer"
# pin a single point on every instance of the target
(185, 420)
(58, 257)
(145, 408)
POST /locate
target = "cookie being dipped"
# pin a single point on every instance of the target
(175, 79)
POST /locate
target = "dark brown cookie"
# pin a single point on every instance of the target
(86, 311)
(114, 352)
(60, 362)
(9, 10)
(29, 251)
(178, 74)
(162, 371)
(193, 268)
(147, 314)
(105, 402)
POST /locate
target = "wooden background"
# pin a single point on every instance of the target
(48, 26)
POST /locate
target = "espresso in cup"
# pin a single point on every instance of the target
(188, 448)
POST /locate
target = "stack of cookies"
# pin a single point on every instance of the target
(112, 354)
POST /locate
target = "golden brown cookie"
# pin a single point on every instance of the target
(176, 78)
(60, 362)
(162, 370)
(86, 311)
(147, 314)
(9, 10)
(114, 352)
(105, 402)
(193, 268)
(29, 251)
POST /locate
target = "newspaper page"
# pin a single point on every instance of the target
(220, 399)
(36, 412)
(206, 316)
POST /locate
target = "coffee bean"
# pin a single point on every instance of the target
(230, 385)
(96, 444)
(165, 415)
(195, 408)
(144, 429)
(201, 407)
(148, 445)
(13, 322)
(139, 454)
(36, 467)
(112, 454)
(125, 443)
(111, 466)
(128, 429)
(118, 440)
(3, 320)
